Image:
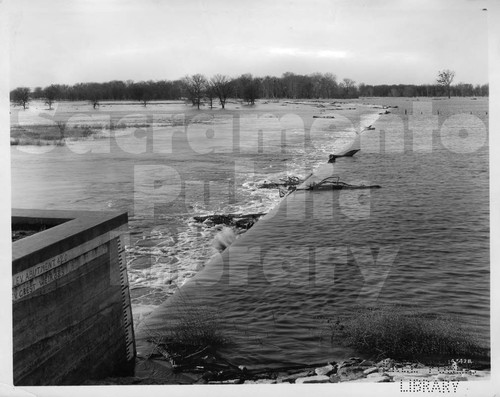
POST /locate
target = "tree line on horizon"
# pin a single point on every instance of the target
(199, 89)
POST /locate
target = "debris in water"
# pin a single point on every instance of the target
(241, 221)
(333, 183)
(285, 183)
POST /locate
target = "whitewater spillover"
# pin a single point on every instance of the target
(164, 258)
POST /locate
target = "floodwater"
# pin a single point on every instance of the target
(422, 239)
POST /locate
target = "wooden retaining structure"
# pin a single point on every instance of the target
(72, 319)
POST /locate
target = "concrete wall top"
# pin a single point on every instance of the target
(71, 229)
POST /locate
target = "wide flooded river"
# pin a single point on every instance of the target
(427, 227)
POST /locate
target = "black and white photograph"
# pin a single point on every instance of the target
(222, 197)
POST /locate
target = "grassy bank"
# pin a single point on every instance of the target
(56, 133)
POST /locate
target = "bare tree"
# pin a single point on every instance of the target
(142, 92)
(445, 78)
(146, 96)
(195, 86)
(210, 94)
(50, 93)
(289, 81)
(21, 95)
(329, 85)
(249, 87)
(223, 86)
(348, 86)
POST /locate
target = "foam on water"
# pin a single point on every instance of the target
(224, 239)
(161, 262)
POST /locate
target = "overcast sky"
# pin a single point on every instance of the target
(375, 42)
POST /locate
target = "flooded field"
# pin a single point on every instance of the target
(167, 162)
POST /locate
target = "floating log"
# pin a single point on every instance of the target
(340, 186)
(350, 153)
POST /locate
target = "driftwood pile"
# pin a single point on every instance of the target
(285, 185)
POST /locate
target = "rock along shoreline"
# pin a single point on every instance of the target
(408, 374)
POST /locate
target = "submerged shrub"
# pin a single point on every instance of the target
(398, 333)
(193, 332)
(199, 328)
